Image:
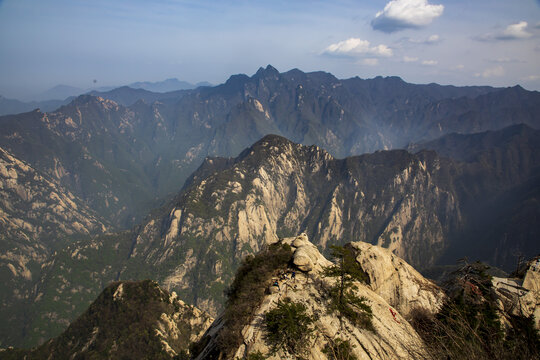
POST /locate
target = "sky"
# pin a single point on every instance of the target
(117, 42)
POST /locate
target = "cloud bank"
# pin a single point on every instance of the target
(358, 47)
(402, 14)
(516, 31)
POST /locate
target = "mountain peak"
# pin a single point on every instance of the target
(272, 139)
(264, 145)
(269, 72)
(92, 99)
(292, 273)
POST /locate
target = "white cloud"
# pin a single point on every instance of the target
(433, 39)
(402, 14)
(496, 71)
(370, 61)
(516, 31)
(355, 46)
(430, 62)
(410, 59)
(459, 67)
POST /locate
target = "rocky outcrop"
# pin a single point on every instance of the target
(35, 207)
(520, 297)
(397, 282)
(276, 188)
(36, 214)
(416, 205)
(530, 302)
(412, 204)
(392, 338)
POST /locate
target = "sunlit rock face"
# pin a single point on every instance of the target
(419, 206)
(396, 281)
(391, 338)
(276, 187)
(36, 214)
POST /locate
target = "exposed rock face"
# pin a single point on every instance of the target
(93, 147)
(36, 214)
(36, 207)
(104, 151)
(416, 205)
(393, 337)
(521, 297)
(129, 320)
(531, 301)
(278, 187)
(396, 281)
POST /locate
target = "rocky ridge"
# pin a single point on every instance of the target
(36, 214)
(36, 207)
(393, 337)
(521, 296)
(397, 282)
(416, 205)
(141, 320)
(276, 188)
(151, 146)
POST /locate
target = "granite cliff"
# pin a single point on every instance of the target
(420, 206)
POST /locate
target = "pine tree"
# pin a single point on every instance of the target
(344, 301)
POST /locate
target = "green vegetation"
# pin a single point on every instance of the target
(256, 356)
(468, 325)
(122, 327)
(343, 299)
(182, 355)
(338, 349)
(288, 328)
(245, 295)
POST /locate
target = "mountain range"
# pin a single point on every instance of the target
(59, 95)
(179, 187)
(163, 140)
(285, 302)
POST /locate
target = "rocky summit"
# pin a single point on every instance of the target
(424, 208)
(300, 295)
(389, 335)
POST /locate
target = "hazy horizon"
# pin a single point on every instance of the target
(44, 44)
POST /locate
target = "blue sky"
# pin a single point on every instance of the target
(116, 42)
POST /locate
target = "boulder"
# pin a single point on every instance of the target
(396, 281)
